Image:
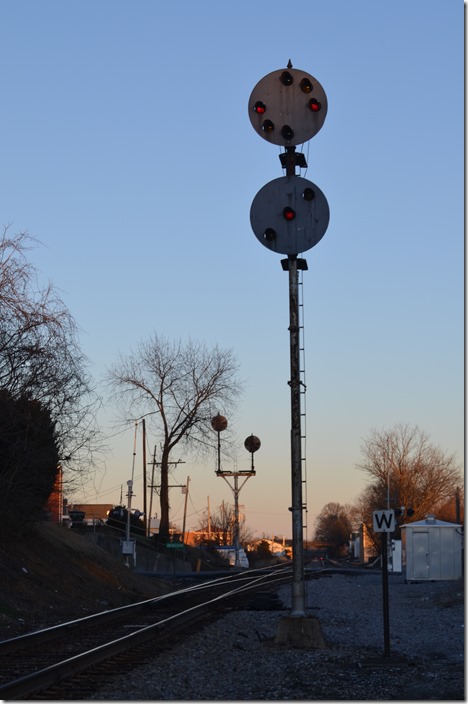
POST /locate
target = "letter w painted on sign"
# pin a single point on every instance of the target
(383, 521)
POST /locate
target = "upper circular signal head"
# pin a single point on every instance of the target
(289, 215)
(295, 103)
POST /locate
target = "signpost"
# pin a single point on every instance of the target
(384, 522)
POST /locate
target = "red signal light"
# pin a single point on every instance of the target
(288, 214)
(259, 107)
(268, 126)
(314, 105)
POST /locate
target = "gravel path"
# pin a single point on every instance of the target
(235, 659)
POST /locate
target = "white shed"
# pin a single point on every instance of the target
(432, 550)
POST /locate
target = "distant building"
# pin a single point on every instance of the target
(93, 512)
(55, 503)
(276, 548)
(154, 525)
(59, 510)
(198, 537)
(361, 546)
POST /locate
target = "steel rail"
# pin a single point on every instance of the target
(33, 682)
(45, 634)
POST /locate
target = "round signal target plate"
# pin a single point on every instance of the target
(288, 107)
(289, 215)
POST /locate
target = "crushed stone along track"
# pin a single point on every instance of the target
(83, 684)
(76, 657)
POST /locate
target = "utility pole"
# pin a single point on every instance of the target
(145, 513)
(153, 463)
(153, 486)
(185, 508)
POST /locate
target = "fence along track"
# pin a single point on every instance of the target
(232, 588)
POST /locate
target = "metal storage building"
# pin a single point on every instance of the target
(432, 550)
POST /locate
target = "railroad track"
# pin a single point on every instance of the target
(73, 658)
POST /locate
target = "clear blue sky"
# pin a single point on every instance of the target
(127, 150)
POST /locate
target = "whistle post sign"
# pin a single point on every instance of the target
(383, 521)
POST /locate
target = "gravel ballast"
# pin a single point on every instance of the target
(236, 659)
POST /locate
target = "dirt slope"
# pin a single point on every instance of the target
(54, 574)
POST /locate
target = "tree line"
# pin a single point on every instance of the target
(48, 403)
(48, 406)
(406, 473)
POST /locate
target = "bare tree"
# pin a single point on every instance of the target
(219, 528)
(182, 386)
(453, 510)
(40, 357)
(406, 470)
(333, 525)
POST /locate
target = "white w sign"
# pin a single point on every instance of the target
(383, 521)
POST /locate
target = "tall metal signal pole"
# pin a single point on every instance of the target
(289, 216)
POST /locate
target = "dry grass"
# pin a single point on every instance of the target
(54, 574)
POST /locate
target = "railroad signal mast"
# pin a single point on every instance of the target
(290, 215)
(252, 444)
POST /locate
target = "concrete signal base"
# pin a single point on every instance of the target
(300, 632)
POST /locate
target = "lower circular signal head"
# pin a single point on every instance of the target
(293, 211)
